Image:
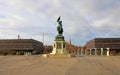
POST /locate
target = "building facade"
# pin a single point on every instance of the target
(20, 46)
(48, 49)
(103, 46)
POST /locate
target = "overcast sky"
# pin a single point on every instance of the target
(83, 20)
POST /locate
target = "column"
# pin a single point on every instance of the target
(30, 52)
(81, 51)
(101, 52)
(108, 51)
(17, 52)
(85, 52)
(78, 50)
(90, 51)
(95, 51)
(25, 53)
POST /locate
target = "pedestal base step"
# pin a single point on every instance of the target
(58, 55)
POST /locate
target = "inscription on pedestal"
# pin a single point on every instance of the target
(59, 46)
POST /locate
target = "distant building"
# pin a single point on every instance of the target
(20, 46)
(72, 49)
(48, 49)
(103, 46)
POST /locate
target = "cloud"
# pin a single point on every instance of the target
(82, 19)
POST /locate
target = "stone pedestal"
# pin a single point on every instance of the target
(59, 47)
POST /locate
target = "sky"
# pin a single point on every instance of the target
(82, 20)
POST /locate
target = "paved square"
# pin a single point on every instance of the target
(36, 65)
